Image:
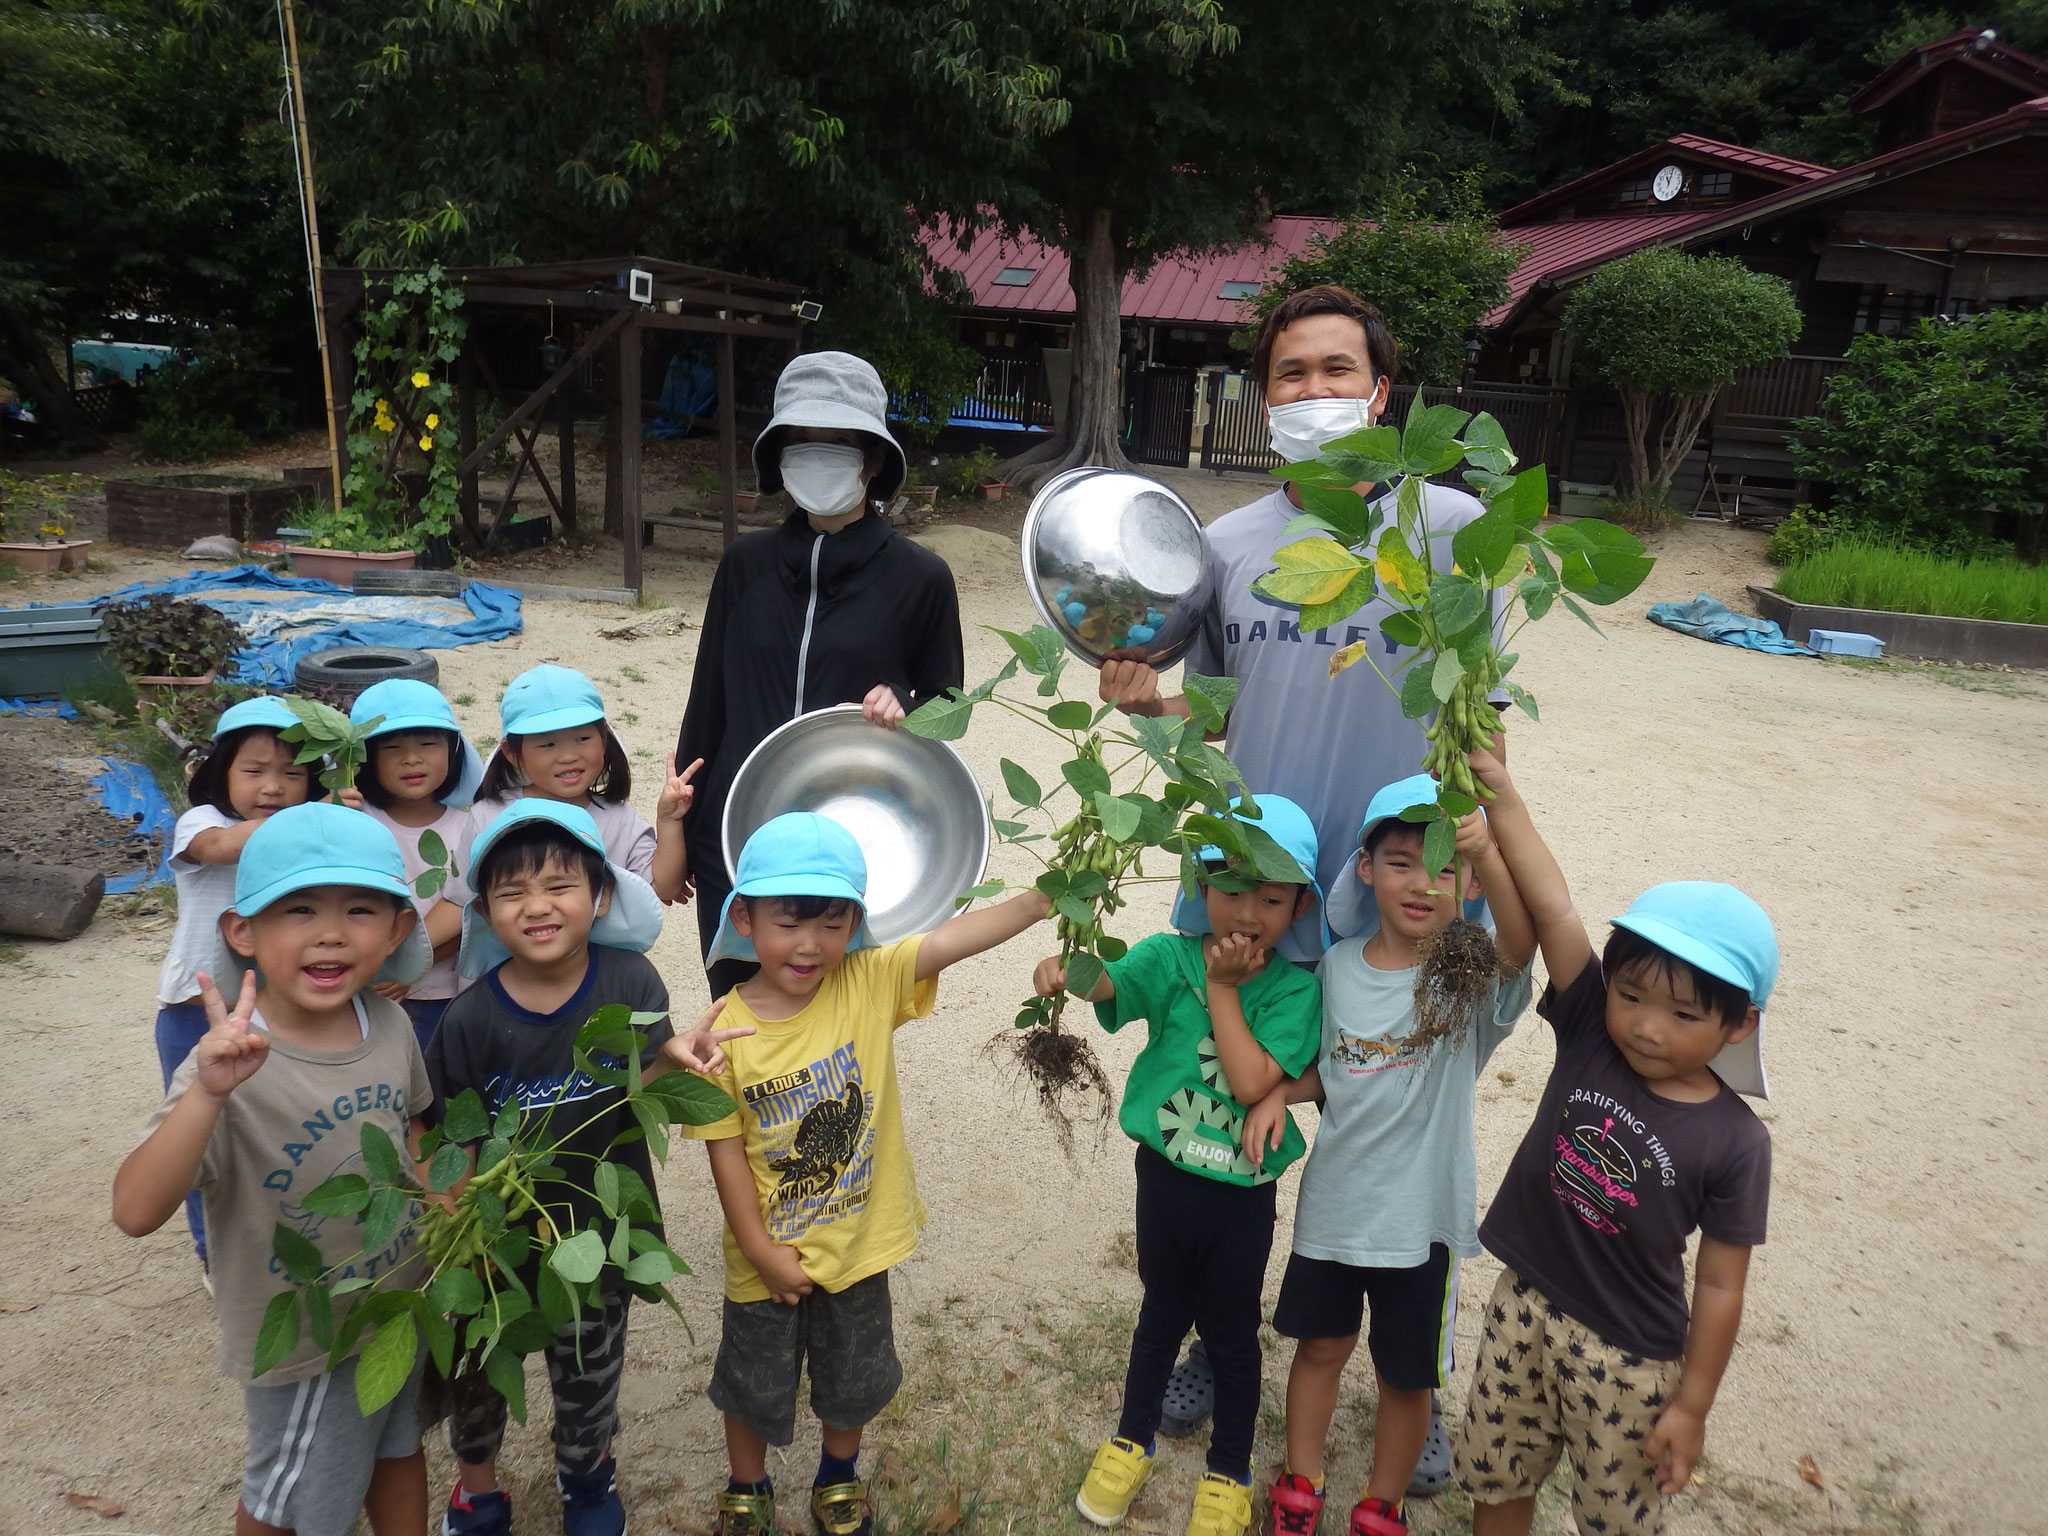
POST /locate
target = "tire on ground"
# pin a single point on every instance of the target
(352, 668)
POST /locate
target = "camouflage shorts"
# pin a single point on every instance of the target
(1545, 1385)
(845, 1340)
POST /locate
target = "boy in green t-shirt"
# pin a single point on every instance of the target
(1226, 1023)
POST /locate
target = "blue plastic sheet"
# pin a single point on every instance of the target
(129, 789)
(1708, 618)
(288, 617)
(55, 707)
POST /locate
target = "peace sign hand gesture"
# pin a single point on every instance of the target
(230, 1051)
(676, 790)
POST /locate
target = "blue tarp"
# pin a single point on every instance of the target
(1708, 618)
(129, 789)
(56, 707)
(289, 616)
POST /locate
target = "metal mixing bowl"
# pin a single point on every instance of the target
(1114, 561)
(913, 805)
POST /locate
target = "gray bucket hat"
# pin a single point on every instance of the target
(836, 390)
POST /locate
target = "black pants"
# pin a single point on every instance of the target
(1202, 1247)
(585, 1363)
(712, 889)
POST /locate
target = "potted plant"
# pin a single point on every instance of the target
(165, 645)
(363, 533)
(35, 525)
(973, 472)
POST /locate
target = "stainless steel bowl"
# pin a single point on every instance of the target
(1114, 561)
(912, 804)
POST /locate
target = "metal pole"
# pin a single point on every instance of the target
(302, 147)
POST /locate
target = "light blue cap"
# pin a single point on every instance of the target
(1283, 821)
(1353, 912)
(407, 704)
(799, 853)
(632, 920)
(1727, 935)
(548, 699)
(265, 709)
(321, 843)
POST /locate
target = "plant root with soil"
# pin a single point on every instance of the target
(1456, 969)
(1062, 1069)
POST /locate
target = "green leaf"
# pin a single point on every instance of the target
(1603, 576)
(1119, 816)
(511, 1249)
(1349, 515)
(278, 1334)
(1356, 594)
(1088, 778)
(687, 1099)
(650, 1269)
(1537, 595)
(1445, 676)
(608, 1029)
(1428, 435)
(1160, 736)
(1110, 947)
(380, 1155)
(1075, 911)
(343, 1195)
(465, 1118)
(653, 1122)
(1084, 974)
(1525, 699)
(1070, 715)
(1309, 571)
(1403, 628)
(319, 1307)
(1397, 565)
(1482, 544)
(458, 1291)
(557, 1303)
(448, 1164)
(440, 1336)
(1418, 692)
(388, 1211)
(296, 1255)
(1023, 788)
(976, 893)
(604, 1183)
(1591, 533)
(1269, 860)
(1455, 805)
(1486, 444)
(1439, 840)
(1041, 651)
(943, 719)
(429, 882)
(1456, 603)
(432, 849)
(1209, 699)
(620, 1249)
(506, 1372)
(1525, 498)
(1373, 442)
(386, 1362)
(494, 1151)
(490, 1210)
(578, 1259)
(506, 1126)
(1582, 616)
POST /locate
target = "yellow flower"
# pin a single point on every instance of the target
(426, 445)
(420, 380)
(433, 421)
(385, 424)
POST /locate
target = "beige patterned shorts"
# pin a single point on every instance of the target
(1545, 1385)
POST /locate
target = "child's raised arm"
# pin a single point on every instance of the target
(1514, 933)
(671, 876)
(1050, 980)
(972, 932)
(156, 1177)
(1539, 882)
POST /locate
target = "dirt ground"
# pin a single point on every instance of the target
(47, 812)
(1889, 816)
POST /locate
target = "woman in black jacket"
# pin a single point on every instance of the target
(831, 607)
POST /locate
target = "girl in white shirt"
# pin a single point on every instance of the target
(247, 776)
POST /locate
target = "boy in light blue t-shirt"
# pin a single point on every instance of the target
(1389, 1195)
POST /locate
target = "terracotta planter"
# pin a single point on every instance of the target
(746, 501)
(74, 553)
(993, 489)
(927, 495)
(34, 559)
(340, 565)
(147, 687)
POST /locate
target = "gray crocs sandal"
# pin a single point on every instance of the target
(1433, 1471)
(1190, 1394)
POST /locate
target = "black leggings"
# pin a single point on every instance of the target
(1202, 1247)
(712, 889)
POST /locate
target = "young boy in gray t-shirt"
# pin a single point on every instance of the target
(1388, 1197)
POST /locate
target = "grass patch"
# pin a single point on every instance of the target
(1848, 574)
(2004, 681)
(463, 700)
(1641, 512)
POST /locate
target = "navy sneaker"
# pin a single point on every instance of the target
(477, 1514)
(590, 1504)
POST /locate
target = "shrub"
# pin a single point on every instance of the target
(964, 475)
(914, 344)
(1668, 331)
(1806, 532)
(1852, 574)
(1938, 439)
(210, 405)
(161, 636)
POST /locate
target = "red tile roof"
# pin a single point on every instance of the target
(1969, 47)
(1756, 159)
(1184, 291)
(1569, 244)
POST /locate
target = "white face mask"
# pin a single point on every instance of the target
(1301, 428)
(825, 479)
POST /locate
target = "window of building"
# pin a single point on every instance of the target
(1637, 191)
(1236, 290)
(1714, 184)
(1015, 277)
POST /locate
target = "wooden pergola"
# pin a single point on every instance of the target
(595, 313)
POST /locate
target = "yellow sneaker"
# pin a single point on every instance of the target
(1222, 1507)
(1114, 1478)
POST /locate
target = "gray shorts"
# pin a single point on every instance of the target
(849, 1339)
(311, 1451)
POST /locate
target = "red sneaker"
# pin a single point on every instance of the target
(1376, 1517)
(1297, 1506)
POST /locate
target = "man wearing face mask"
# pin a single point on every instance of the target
(831, 607)
(1327, 361)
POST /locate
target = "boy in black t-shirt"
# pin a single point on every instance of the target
(555, 932)
(1590, 1348)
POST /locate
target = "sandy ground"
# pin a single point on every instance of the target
(1888, 817)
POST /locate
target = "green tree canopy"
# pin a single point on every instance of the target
(1667, 330)
(1434, 267)
(1939, 438)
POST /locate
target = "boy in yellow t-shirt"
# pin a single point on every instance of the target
(812, 1170)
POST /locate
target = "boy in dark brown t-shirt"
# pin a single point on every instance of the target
(1590, 1348)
